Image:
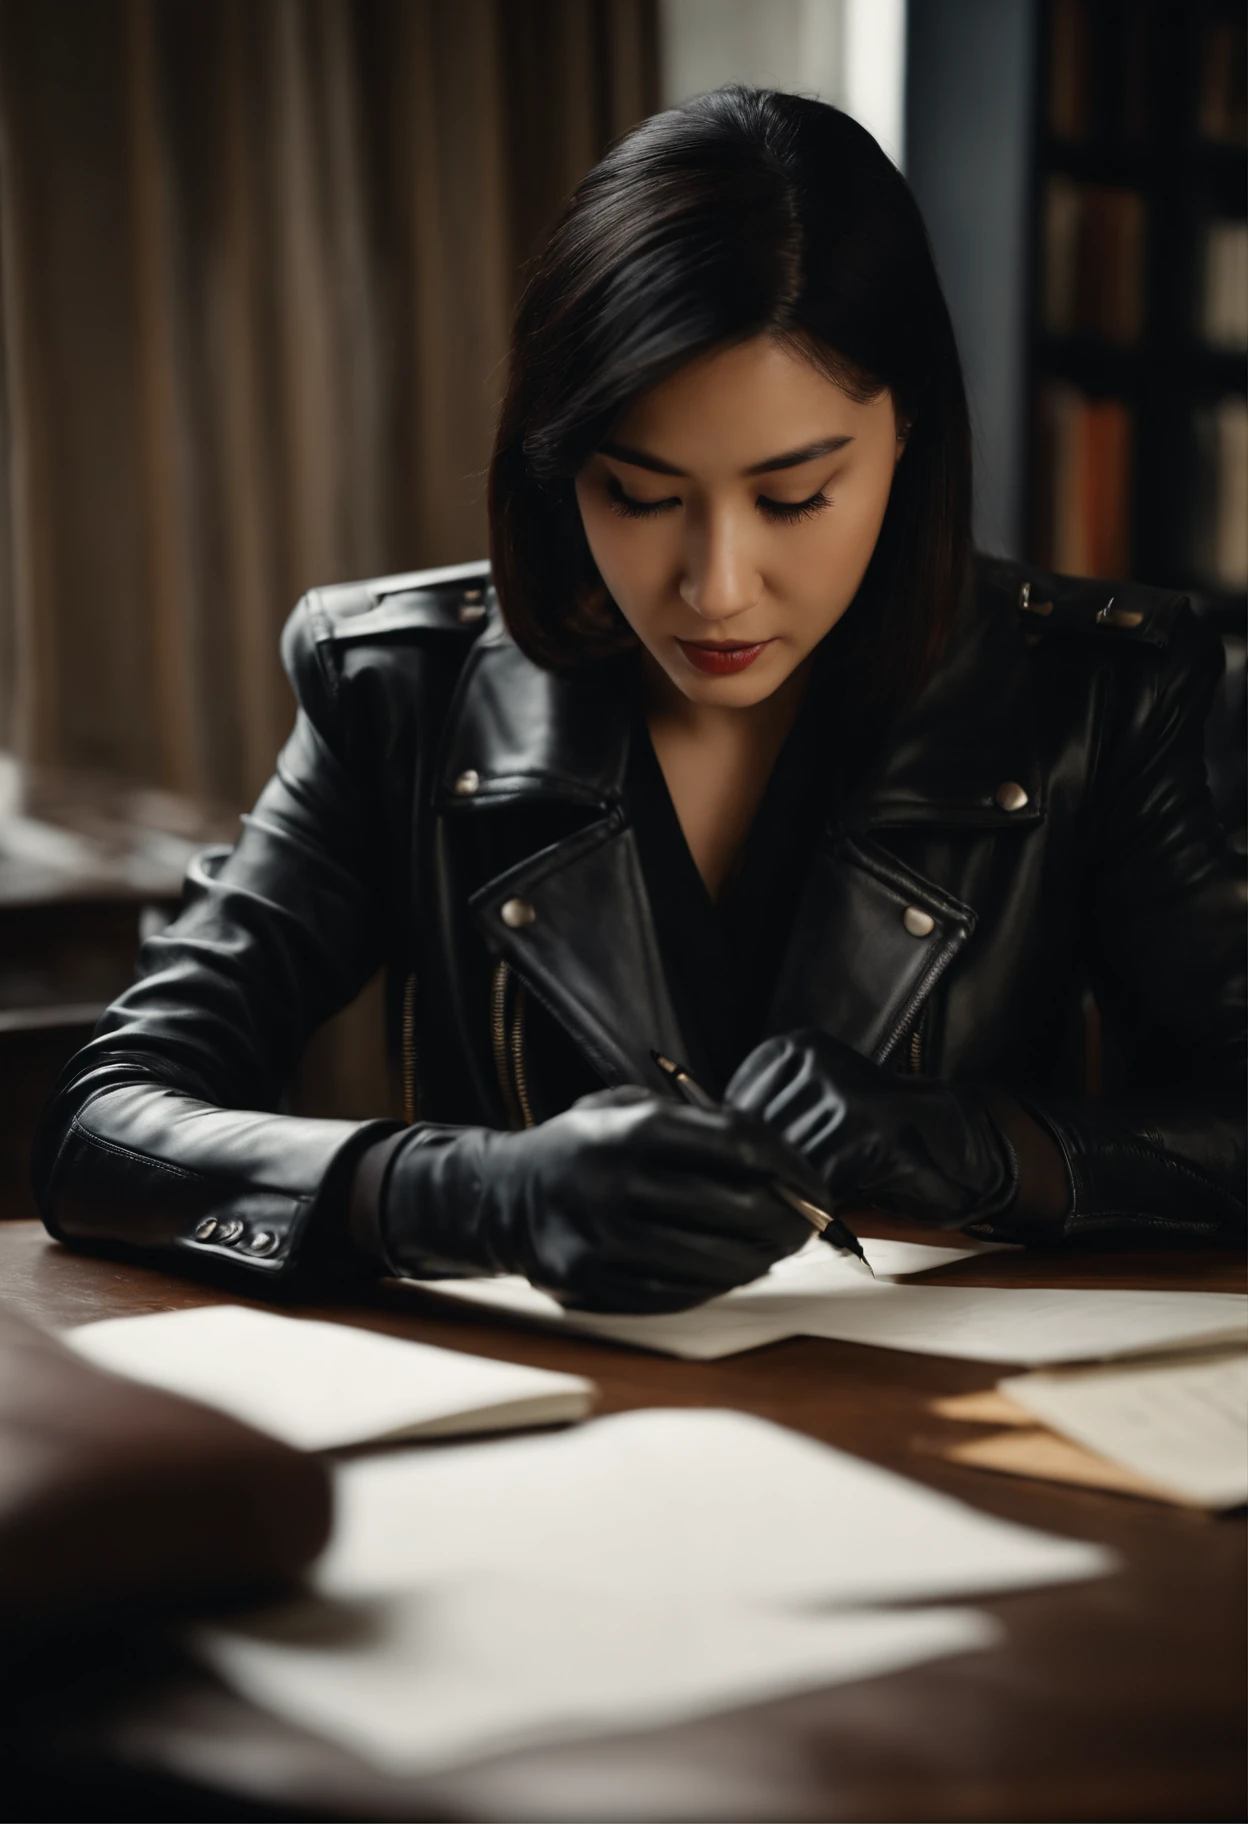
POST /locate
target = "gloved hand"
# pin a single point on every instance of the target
(911, 1146)
(626, 1202)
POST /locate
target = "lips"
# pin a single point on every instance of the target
(720, 659)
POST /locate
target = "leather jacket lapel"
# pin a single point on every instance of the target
(519, 737)
(588, 949)
(869, 943)
(872, 936)
(862, 959)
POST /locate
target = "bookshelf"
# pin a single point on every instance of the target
(1137, 312)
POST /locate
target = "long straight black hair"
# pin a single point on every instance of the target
(745, 212)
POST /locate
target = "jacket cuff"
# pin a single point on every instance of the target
(1124, 1177)
(299, 1230)
(364, 1204)
(144, 1165)
(1044, 1195)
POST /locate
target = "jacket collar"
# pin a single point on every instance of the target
(517, 732)
(584, 939)
(971, 731)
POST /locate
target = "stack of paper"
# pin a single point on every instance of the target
(1170, 1430)
(640, 1569)
(321, 1386)
(821, 1293)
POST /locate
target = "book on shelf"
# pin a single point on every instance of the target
(1084, 475)
(1093, 255)
(1219, 555)
(1089, 94)
(1070, 86)
(1141, 262)
(1224, 286)
(1222, 94)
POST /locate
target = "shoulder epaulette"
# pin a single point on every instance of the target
(457, 599)
(1048, 603)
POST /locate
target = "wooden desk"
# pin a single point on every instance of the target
(1120, 1699)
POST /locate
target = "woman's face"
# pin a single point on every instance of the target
(732, 514)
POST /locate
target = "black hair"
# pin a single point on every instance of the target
(743, 212)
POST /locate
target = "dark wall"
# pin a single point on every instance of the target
(969, 101)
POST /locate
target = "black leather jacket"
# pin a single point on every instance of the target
(1039, 821)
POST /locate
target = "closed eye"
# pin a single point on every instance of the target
(788, 512)
(780, 512)
(624, 504)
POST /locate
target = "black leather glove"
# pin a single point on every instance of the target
(626, 1202)
(911, 1146)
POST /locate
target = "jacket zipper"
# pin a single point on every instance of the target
(915, 1061)
(519, 1054)
(409, 1060)
(510, 1055)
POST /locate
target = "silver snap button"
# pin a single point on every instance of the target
(515, 913)
(1109, 616)
(469, 781)
(264, 1241)
(1010, 796)
(230, 1231)
(205, 1230)
(918, 922)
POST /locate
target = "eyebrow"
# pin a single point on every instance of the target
(791, 459)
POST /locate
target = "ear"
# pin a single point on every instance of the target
(903, 433)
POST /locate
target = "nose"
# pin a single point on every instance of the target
(720, 580)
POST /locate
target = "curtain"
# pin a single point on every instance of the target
(257, 264)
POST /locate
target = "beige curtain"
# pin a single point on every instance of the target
(257, 261)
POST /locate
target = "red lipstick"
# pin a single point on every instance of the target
(719, 659)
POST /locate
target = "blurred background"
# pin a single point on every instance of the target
(257, 264)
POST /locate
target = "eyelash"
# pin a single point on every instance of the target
(780, 512)
(628, 508)
(789, 512)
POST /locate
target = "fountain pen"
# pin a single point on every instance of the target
(832, 1229)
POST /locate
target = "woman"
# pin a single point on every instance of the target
(741, 760)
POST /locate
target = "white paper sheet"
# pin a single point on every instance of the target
(319, 1386)
(749, 1317)
(816, 1293)
(637, 1571)
(462, 1670)
(1181, 1425)
(817, 1265)
(678, 1502)
(1033, 1326)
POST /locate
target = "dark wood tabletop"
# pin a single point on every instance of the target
(1118, 1699)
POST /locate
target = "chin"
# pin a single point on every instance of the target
(740, 691)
